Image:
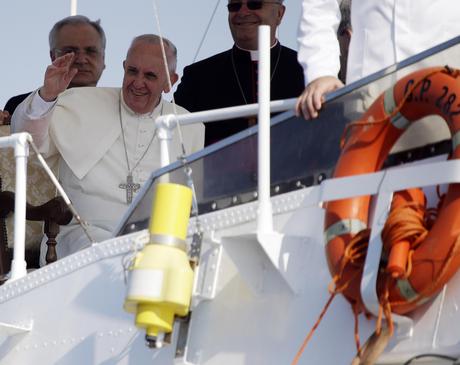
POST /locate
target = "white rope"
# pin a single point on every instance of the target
(206, 30)
(165, 61)
(187, 169)
(61, 191)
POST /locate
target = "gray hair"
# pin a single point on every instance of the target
(345, 13)
(170, 48)
(75, 20)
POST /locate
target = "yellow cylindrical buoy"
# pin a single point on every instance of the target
(171, 210)
(161, 278)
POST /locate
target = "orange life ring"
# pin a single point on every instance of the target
(422, 93)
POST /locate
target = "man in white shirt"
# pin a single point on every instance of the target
(86, 39)
(105, 138)
(384, 32)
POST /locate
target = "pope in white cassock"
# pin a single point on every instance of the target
(104, 138)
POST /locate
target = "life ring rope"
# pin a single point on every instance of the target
(388, 110)
(422, 268)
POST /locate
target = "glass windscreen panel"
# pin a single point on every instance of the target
(303, 153)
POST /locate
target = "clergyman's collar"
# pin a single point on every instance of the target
(255, 53)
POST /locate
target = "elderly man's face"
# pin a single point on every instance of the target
(85, 42)
(145, 77)
(244, 22)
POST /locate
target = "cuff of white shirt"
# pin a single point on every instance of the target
(39, 107)
(310, 76)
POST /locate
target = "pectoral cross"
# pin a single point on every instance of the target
(130, 187)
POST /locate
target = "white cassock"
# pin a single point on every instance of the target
(83, 130)
(384, 32)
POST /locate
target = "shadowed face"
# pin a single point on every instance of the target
(244, 22)
(85, 42)
(145, 77)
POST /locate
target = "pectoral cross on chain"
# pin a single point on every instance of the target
(130, 187)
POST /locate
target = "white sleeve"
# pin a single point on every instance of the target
(319, 52)
(32, 116)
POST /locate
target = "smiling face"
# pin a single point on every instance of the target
(86, 43)
(145, 77)
(244, 22)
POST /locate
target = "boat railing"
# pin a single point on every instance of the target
(19, 141)
(263, 108)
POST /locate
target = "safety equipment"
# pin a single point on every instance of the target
(433, 260)
(161, 278)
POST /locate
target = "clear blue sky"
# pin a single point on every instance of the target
(25, 24)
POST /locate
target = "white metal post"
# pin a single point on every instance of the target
(21, 152)
(164, 131)
(73, 7)
(264, 219)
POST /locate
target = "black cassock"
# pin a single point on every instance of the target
(229, 79)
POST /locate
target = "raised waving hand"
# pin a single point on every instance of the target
(57, 77)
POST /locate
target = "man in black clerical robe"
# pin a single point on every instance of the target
(230, 78)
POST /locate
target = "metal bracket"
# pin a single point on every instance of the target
(206, 273)
(371, 266)
(269, 260)
(8, 331)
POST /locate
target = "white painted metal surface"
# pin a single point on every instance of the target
(264, 221)
(75, 306)
(245, 310)
(216, 115)
(19, 142)
(73, 7)
(164, 129)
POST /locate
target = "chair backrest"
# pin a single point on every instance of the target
(53, 213)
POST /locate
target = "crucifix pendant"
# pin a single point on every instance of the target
(130, 187)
